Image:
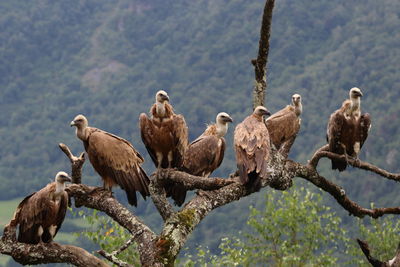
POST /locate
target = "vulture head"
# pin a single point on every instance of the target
(162, 96)
(260, 111)
(355, 93)
(296, 99)
(223, 118)
(79, 122)
(62, 177)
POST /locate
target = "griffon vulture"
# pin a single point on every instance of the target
(41, 214)
(285, 124)
(205, 154)
(348, 129)
(114, 159)
(165, 136)
(253, 148)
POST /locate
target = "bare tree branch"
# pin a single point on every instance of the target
(322, 152)
(260, 64)
(395, 262)
(310, 174)
(48, 253)
(76, 163)
(112, 258)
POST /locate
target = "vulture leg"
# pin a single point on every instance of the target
(170, 158)
(159, 159)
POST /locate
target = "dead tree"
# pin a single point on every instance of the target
(162, 249)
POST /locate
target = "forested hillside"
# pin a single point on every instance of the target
(106, 59)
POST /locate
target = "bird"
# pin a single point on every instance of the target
(165, 136)
(252, 148)
(114, 159)
(205, 154)
(348, 129)
(285, 124)
(41, 214)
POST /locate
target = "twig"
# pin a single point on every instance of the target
(320, 153)
(310, 174)
(112, 258)
(260, 64)
(76, 163)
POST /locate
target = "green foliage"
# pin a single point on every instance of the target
(106, 59)
(293, 229)
(110, 236)
(382, 235)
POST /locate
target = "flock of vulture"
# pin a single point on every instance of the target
(165, 136)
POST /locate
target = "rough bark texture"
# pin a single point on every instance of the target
(395, 262)
(260, 63)
(162, 249)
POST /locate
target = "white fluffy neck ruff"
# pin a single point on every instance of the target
(81, 133)
(355, 105)
(222, 129)
(60, 187)
(298, 108)
(160, 108)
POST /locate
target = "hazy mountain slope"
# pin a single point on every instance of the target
(107, 59)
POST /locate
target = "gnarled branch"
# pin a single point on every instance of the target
(260, 63)
(47, 253)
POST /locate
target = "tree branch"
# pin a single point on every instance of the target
(76, 163)
(260, 64)
(48, 253)
(310, 174)
(322, 152)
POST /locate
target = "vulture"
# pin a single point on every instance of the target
(205, 154)
(41, 214)
(348, 129)
(285, 124)
(114, 159)
(252, 148)
(165, 136)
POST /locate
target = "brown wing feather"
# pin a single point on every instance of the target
(37, 210)
(252, 147)
(283, 125)
(201, 155)
(115, 158)
(365, 125)
(147, 132)
(180, 134)
(336, 136)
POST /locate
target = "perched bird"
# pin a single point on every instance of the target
(41, 214)
(253, 148)
(205, 154)
(285, 124)
(114, 159)
(348, 129)
(165, 136)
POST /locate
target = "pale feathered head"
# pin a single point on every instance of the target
(162, 96)
(223, 118)
(355, 93)
(79, 121)
(62, 177)
(296, 99)
(261, 111)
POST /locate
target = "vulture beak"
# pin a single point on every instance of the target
(165, 98)
(229, 119)
(267, 113)
(359, 94)
(67, 179)
(72, 123)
